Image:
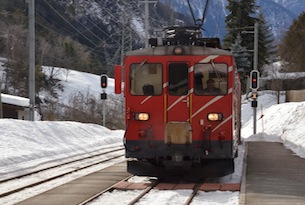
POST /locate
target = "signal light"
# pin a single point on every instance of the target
(104, 79)
(103, 96)
(254, 79)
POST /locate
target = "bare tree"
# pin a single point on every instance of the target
(87, 109)
(17, 60)
(275, 79)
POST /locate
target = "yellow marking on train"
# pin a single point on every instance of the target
(191, 108)
(165, 108)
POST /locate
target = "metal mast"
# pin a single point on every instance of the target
(146, 22)
(32, 57)
(126, 30)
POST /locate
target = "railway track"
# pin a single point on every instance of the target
(113, 181)
(80, 166)
(141, 190)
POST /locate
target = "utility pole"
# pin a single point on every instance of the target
(31, 58)
(254, 75)
(255, 58)
(255, 62)
(126, 30)
(146, 22)
(1, 110)
(104, 84)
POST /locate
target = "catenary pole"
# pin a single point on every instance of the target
(146, 22)
(1, 110)
(255, 63)
(31, 4)
(255, 46)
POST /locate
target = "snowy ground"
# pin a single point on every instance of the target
(26, 145)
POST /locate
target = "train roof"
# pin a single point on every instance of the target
(188, 38)
(187, 50)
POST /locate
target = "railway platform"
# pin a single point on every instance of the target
(272, 175)
(79, 190)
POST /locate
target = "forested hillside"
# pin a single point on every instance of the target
(83, 35)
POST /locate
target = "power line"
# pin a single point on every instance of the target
(62, 35)
(68, 22)
(50, 24)
(81, 32)
(146, 24)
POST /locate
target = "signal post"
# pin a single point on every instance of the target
(104, 84)
(254, 84)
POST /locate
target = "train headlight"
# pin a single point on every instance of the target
(178, 51)
(141, 116)
(215, 116)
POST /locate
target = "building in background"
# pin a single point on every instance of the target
(16, 107)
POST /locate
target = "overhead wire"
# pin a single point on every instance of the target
(95, 46)
(94, 25)
(62, 35)
(50, 24)
(80, 32)
(68, 22)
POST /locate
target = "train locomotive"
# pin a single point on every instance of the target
(182, 106)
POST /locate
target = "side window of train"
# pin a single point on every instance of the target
(211, 79)
(178, 79)
(146, 79)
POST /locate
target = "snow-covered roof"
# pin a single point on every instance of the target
(15, 100)
(274, 71)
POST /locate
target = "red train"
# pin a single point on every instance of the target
(182, 106)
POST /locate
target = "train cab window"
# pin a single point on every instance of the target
(178, 79)
(146, 79)
(211, 79)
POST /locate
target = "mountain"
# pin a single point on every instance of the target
(279, 14)
(103, 25)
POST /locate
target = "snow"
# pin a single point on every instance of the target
(26, 145)
(276, 71)
(78, 82)
(15, 100)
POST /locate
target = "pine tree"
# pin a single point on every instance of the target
(231, 23)
(242, 17)
(266, 45)
(241, 56)
(293, 45)
(239, 19)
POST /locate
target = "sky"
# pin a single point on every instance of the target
(26, 145)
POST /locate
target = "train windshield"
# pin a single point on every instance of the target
(211, 79)
(178, 79)
(146, 79)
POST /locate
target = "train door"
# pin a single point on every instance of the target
(177, 125)
(178, 99)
